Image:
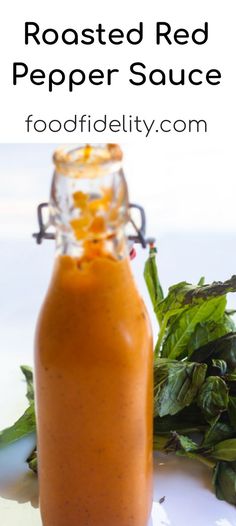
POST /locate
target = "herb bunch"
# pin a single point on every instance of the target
(195, 375)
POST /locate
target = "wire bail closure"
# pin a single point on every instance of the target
(139, 237)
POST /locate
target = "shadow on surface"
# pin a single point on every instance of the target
(17, 482)
(23, 489)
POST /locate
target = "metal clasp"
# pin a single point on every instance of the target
(138, 237)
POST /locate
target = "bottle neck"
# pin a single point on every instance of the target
(89, 202)
(114, 247)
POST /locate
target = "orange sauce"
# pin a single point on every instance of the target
(94, 397)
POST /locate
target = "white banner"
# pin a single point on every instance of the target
(102, 72)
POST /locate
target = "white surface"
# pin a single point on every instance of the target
(184, 253)
(185, 484)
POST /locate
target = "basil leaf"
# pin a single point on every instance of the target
(206, 332)
(224, 481)
(230, 378)
(225, 450)
(28, 373)
(183, 294)
(152, 278)
(232, 411)
(213, 397)
(180, 443)
(216, 289)
(189, 420)
(175, 344)
(176, 384)
(32, 461)
(217, 432)
(217, 368)
(173, 304)
(223, 348)
(201, 281)
(24, 426)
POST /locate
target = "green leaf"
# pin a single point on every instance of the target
(24, 426)
(225, 450)
(175, 344)
(232, 411)
(223, 348)
(195, 455)
(206, 332)
(184, 446)
(173, 303)
(152, 278)
(201, 281)
(216, 289)
(189, 420)
(217, 367)
(28, 373)
(213, 397)
(32, 461)
(180, 443)
(231, 377)
(176, 384)
(216, 432)
(183, 295)
(224, 481)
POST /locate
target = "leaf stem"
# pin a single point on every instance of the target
(162, 331)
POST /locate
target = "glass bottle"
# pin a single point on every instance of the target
(93, 354)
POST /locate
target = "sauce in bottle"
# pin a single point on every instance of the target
(93, 355)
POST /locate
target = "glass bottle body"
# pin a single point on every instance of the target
(94, 363)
